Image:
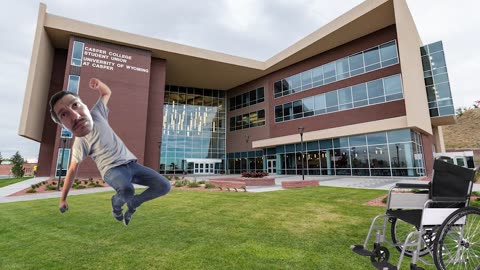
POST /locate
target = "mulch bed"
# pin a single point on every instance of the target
(43, 187)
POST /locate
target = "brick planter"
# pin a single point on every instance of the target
(299, 184)
(251, 182)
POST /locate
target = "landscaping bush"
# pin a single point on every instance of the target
(31, 191)
(201, 182)
(193, 184)
(51, 187)
(209, 185)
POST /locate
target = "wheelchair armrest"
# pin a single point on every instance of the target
(412, 185)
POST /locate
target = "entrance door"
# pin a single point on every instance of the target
(272, 166)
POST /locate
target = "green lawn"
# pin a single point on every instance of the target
(8, 181)
(309, 228)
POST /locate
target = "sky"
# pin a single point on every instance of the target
(255, 29)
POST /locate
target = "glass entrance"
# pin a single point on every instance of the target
(202, 166)
(272, 166)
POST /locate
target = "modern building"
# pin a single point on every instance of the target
(361, 96)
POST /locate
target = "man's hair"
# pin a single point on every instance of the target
(54, 99)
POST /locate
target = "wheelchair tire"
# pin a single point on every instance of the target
(399, 230)
(458, 243)
(382, 254)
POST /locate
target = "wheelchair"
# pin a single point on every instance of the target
(432, 219)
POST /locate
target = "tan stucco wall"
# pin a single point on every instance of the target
(409, 43)
(438, 137)
(38, 81)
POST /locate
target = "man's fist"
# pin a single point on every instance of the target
(94, 83)
(63, 207)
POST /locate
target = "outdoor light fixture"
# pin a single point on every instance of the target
(300, 130)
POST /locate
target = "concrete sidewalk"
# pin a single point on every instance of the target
(381, 183)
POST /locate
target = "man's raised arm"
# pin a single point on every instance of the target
(102, 88)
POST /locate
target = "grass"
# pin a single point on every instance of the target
(309, 228)
(8, 181)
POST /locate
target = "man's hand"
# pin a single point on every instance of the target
(63, 206)
(94, 83)
(102, 88)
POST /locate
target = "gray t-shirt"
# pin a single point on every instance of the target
(101, 144)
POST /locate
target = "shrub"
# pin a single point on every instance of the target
(54, 183)
(476, 193)
(209, 185)
(193, 184)
(31, 191)
(50, 187)
(477, 176)
(178, 184)
(384, 200)
(33, 186)
(201, 182)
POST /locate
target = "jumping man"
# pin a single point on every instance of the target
(95, 138)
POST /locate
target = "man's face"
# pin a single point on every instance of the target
(74, 115)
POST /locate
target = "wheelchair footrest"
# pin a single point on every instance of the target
(360, 250)
(384, 266)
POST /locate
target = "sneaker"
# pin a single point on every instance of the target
(117, 212)
(128, 215)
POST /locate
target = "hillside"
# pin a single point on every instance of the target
(466, 133)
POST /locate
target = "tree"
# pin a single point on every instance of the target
(17, 160)
(1, 158)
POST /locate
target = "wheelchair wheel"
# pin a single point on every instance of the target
(381, 255)
(399, 231)
(458, 242)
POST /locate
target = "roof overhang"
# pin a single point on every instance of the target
(190, 66)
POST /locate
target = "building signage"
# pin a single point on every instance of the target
(109, 60)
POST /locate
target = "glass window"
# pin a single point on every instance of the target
(342, 68)
(356, 61)
(392, 85)
(345, 95)
(320, 102)
(253, 97)
(377, 138)
(308, 104)
(359, 92)
(260, 94)
(371, 57)
(62, 164)
(277, 88)
(435, 47)
(329, 70)
(326, 144)
(73, 83)
(402, 135)
(388, 51)
(287, 111)
(342, 158)
(437, 60)
(359, 156)
(358, 140)
(77, 54)
(307, 78)
(331, 98)
(317, 74)
(375, 88)
(297, 109)
(296, 82)
(278, 113)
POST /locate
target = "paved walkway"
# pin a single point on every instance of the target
(381, 183)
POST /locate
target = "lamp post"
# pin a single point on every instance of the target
(64, 142)
(300, 130)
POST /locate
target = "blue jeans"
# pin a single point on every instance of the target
(122, 178)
